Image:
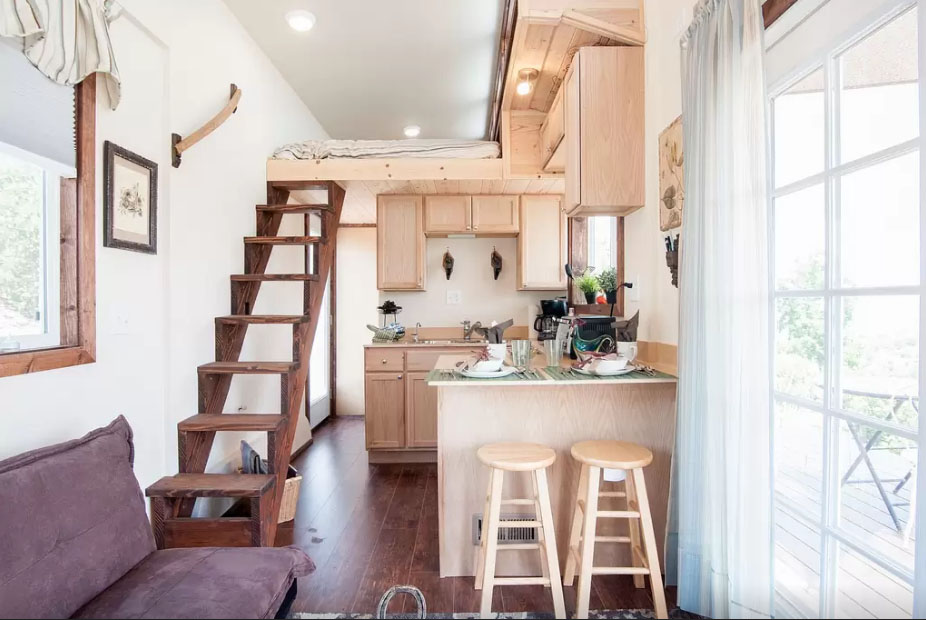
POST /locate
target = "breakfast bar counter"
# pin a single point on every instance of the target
(557, 408)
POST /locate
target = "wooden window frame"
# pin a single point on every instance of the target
(774, 9)
(78, 254)
(578, 260)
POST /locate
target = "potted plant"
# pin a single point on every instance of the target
(607, 280)
(588, 284)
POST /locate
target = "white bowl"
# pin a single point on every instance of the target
(615, 365)
(488, 365)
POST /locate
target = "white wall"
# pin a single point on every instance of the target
(155, 313)
(645, 260)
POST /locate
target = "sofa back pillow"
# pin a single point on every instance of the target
(72, 522)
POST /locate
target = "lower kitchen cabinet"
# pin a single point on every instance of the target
(420, 411)
(385, 410)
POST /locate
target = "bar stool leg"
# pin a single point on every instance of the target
(587, 554)
(488, 578)
(649, 541)
(633, 503)
(481, 554)
(550, 556)
(576, 530)
(541, 538)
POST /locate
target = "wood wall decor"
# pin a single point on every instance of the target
(130, 200)
(179, 145)
(671, 176)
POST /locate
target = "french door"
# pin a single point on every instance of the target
(846, 227)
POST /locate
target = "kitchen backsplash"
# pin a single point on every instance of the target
(481, 298)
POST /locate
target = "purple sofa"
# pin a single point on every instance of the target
(75, 542)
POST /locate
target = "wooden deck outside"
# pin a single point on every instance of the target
(863, 589)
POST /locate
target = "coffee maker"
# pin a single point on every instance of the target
(551, 310)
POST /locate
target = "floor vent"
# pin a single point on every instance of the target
(508, 535)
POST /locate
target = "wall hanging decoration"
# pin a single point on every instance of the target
(672, 258)
(671, 176)
(179, 145)
(448, 263)
(130, 200)
(496, 261)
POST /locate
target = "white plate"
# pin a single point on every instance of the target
(475, 374)
(613, 373)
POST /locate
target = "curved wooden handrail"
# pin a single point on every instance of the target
(182, 144)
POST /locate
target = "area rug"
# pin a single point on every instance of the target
(622, 614)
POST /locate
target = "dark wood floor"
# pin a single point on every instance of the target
(370, 527)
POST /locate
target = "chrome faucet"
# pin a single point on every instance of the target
(417, 325)
(469, 328)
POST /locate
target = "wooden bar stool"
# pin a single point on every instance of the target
(517, 457)
(595, 456)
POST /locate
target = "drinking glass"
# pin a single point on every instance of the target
(521, 354)
(554, 352)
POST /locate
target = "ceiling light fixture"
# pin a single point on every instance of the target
(412, 131)
(300, 20)
(526, 79)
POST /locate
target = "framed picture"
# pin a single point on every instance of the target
(671, 176)
(130, 200)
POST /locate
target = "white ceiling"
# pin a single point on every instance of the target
(370, 67)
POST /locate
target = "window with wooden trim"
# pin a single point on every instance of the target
(596, 243)
(47, 211)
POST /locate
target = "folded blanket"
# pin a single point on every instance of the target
(381, 149)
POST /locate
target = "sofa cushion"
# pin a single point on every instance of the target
(72, 523)
(203, 583)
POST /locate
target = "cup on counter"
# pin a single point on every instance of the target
(628, 350)
(497, 351)
(521, 353)
(554, 352)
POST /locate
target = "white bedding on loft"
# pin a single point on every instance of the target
(381, 149)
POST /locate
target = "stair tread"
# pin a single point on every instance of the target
(279, 319)
(232, 422)
(211, 485)
(294, 208)
(280, 240)
(272, 277)
(247, 368)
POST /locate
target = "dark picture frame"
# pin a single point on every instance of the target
(134, 203)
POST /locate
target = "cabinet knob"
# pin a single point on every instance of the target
(384, 362)
(399, 377)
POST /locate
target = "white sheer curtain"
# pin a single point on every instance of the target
(721, 486)
(67, 40)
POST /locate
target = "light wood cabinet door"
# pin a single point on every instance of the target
(447, 214)
(384, 398)
(495, 214)
(604, 119)
(573, 138)
(420, 411)
(400, 243)
(542, 244)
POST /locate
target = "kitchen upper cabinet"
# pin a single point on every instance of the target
(400, 243)
(542, 244)
(447, 214)
(552, 134)
(495, 215)
(603, 100)
(421, 411)
(385, 410)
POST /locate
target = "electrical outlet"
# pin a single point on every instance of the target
(635, 291)
(454, 298)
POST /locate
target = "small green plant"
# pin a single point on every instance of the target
(587, 283)
(607, 279)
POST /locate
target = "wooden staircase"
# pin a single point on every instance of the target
(173, 497)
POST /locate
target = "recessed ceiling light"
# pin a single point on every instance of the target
(300, 20)
(412, 131)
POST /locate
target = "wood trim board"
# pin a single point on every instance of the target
(772, 10)
(304, 170)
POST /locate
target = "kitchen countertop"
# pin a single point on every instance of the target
(539, 374)
(424, 343)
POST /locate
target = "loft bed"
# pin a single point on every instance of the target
(545, 36)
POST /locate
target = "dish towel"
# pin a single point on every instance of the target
(66, 40)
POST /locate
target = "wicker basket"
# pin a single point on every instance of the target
(290, 496)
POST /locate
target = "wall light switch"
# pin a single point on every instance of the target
(454, 298)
